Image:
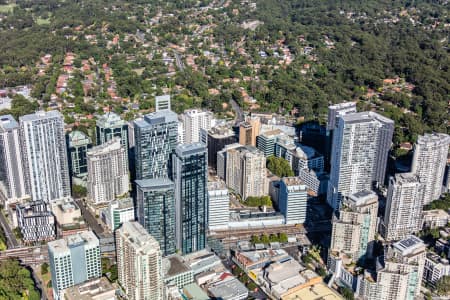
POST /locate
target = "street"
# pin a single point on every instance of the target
(239, 112)
(10, 237)
(90, 219)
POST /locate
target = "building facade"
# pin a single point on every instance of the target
(403, 214)
(429, 161)
(118, 212)
(292, 200)
(155, 137)
(155, 200)
(266, 141)
(45, 155)
(78, 144)
(246, 171)
(74, 260)
(190, 173)
(109, 126)
(36, 222)
(108, 175)
(139, 263)
(217, 139)
(361, 145)
(194, 120)
(248, 131)
(219, 205)
(12, 174)
(354, 229)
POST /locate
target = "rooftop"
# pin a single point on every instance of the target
(314, 292)
(7, 122)
(159, 117)
(193, 292)
(154, 183)
(40, 115)
(228, 289)
(174, 265)
(367, 116)
(109, 120)
(82, 238)
(409, 245)
(402, 178)
(184, 150)
(363, 197)
(77, 137)
(434, 138)
(111, 145)
(98, 289)
(139, 237)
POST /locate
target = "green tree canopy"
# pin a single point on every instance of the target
(279, 166)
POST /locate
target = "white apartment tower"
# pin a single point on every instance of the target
(139, 263)
(400, 277)
(361, 143)
(45, 155)
(74, 260)
(293, 200)
(219, 205)
(403, 206)
(107, 171)
(337, 110)
(194, 120)
(429, 161)
(354, 229)
(246, 171)
(12, 177)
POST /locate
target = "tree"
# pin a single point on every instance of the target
(283, 237)
(79, 191)
(347, 293)
(443, 286)
(279, 166)
(15, 280)
(255, 239)
(265, 239)
(44, 268)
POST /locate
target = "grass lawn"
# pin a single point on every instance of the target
(6, 8)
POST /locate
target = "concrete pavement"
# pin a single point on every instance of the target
(10, 237)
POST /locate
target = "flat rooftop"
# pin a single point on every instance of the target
(315, 292)
(98, 289)
(174, 265)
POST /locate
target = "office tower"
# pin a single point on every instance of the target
(36, 222)
(266, 141)
(110, 125)
(246, 171)
(73, 260)
(180, 135)
(218, 138)
(354, 229)
(361, 145)
(400, 276)
(337, 110)
(118, 212)
(12, 177)
(78, 144)
(162, 102)
(222, 160)
(190, 173)
(194, 120)
(430, 158)
(155, 201)
(155, 140)
(292, 200)
(139, 263)
(45, 155)
(248, 131)
(219, 205)
(107, 171)
(403, 214)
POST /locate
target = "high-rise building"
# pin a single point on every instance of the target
(403, 212)
(78, 144)
(219, 205)
(194, 120)
(73, 260)
(155, 140)
(266, 141)
(45, 155)
(248, 131)
(190, 173)
(361, 144)
(246, 171)
(429, 161)
(292, 200)
(110, 125)
(155, 200)
(12, 175)
(36, 222)
(400, 276)
(337, 110)
(218, 138)
(139, 263)
(118, 212)
(162, 102)
(222, 160)
(354, 229)
(107, 171)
